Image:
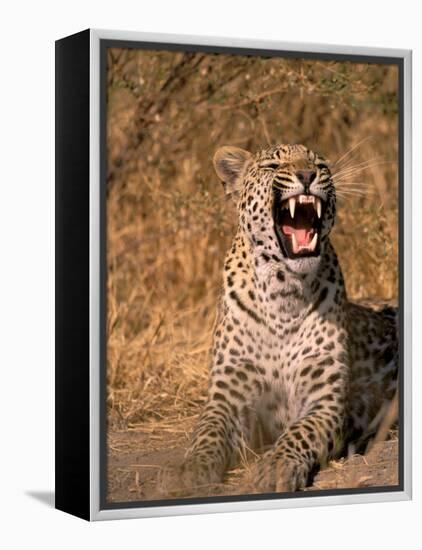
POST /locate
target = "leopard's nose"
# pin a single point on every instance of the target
(306, 177)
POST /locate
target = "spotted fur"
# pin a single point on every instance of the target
(290, 353)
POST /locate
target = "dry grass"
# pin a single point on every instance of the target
(169, 224)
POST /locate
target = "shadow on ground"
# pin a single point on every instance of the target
(45, 497)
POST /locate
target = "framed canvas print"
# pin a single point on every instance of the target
(233, 304)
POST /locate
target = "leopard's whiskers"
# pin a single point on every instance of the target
(348, 184)
(349, 152)
(351, 193)
(365, 165)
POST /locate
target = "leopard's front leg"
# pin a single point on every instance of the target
(218, 435)
(307, 442)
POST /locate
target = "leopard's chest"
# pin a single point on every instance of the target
(285, 363)
(277, 368)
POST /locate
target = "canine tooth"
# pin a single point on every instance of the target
(318, 207)
(292, 206)
(294, 244)
(313, 243)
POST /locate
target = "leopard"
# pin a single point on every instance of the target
(292, 358)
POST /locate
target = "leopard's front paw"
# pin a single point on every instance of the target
(191, 475)
(278, 474)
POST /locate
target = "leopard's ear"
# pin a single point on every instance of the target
(231, 163)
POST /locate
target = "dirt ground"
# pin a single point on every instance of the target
(132, 470)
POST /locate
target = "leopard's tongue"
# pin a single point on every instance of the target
(303, 235)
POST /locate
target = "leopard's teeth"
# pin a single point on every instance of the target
(306, 199)
(295, 248)
(292, 206)
(312, 244)
(318, 206)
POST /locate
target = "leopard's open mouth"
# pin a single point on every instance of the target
(298, 222)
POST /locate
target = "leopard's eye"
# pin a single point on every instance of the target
(270, 165)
